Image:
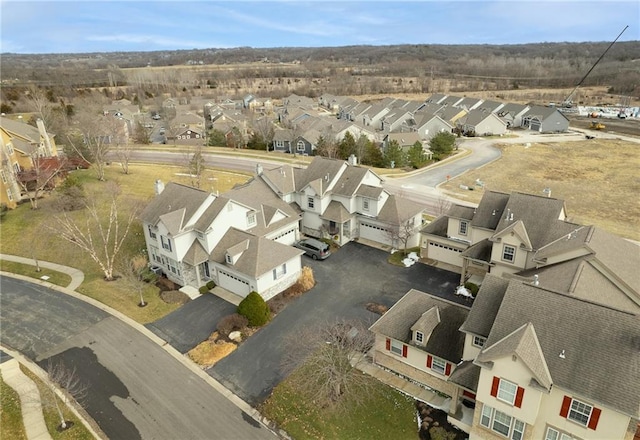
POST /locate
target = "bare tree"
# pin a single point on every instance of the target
(101, 231)
(401, 233)
(41, 177)
(197, 166)
(72, 388)
(442, 206)
(38, 101)
(132, 274)
(329, 354)
(263, 128)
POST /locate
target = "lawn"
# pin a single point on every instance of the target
(24, 233)
(598, 180)
(57, 278)
(11, 426)
(388, 414)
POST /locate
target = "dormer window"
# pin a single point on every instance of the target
(508, 253)
(251, 219)
(228, 259)
(462, 230)
(365, 205)
(419, 337)
(310, 202)
(478, 341)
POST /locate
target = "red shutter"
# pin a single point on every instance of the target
(494, 386)
(388, 344)
(519, 396)
(566, 404)
(595, 416)
(404, 351)
(447, 369)
(429, 360)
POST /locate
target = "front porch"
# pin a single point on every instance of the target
(338, 224)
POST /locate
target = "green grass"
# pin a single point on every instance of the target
(388, 414)
(77, 432)
(23, 233)
(11, 426)
(57, 278)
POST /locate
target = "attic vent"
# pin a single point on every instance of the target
(326, 177)
(508, 214)
(494, 212)
(572, 235)
(562, 355)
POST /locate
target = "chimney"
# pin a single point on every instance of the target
(508, 214)
(353, 160)
(159, 186)
(45, 136)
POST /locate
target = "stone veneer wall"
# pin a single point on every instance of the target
(390, 362)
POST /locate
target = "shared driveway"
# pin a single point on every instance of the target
(346, 282)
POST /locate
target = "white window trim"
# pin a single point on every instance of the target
(365, 205)
(251, 219)
(504, 391)
(311, 202)
(300, 146)
(556, 434)
(438, 365)
(396, 347)
(279, 271)
(463, 228)
(419, 337)
(489, 414)
(575, 411)
(504, 253)
(4, 176)
(478, 341)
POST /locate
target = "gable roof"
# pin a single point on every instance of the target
(173, 199)
(319, 168)
(281, 179)
(350, 181)
(485, 306)
(258, 255)
(489, 210)
(445, 342)
(398, 209)
(592, 338)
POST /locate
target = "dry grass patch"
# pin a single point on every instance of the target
(598, 180)
(208, 352)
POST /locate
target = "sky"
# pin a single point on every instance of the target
(119, 25)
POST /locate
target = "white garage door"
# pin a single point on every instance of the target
(233, 283)
(375, 233)
(445, 253)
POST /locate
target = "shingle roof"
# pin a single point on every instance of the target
(174, 197)
(349, 181)
(445, 342)
(260, 255)
(319, 168)
(372, 192)
(281, 179)
(437, 227)
(480, 251)
(28, 137)
(467, 375)
(398, 209)
(209, 215)
(597, 341)
(336, 212)
(489, 210)
(196, 254)
(461, 212)
(485, 306)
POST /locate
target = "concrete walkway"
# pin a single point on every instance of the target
(30, 402)
(77, 276)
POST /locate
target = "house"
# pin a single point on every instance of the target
(469, 103)
(21, 145)
(517, 364)
(428, 125)
(512, 114)
(545, 120)
(344, 201)
(481, 123)
(451, 114)
(282, 139)
(240, 240)
(404, 140)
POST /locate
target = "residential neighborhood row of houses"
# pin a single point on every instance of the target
(550, 346)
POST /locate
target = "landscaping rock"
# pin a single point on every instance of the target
(235, 336)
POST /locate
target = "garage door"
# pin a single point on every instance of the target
(534, 125)
(445, 253)
(375, 233)
(233, 283)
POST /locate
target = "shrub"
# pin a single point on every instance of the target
(203, 289)
(471, 287)
(174, 297)
(255, 309)
(305, 282)
(232, 323)
(211, 284)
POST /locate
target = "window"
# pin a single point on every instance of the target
(479, 341)
(502, 423)
(507, 391)
(508, 253)
(279, 272)
(300, 146)
(579, 412)
(438, 365)
(251, 219)
(228, 259)
(166, 243)
(463, 228)
(554, 434)
(155, 255)
(419, 337)
(9, 194)
(204, 270)
(365, 205)
(396, 347)
(279, 144)
(16, 167)
(173, 266)
(310, 202)
(151, 233)
(4, 176)
(10, 149)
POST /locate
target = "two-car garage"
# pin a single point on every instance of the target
(444, 252)
(233, 283)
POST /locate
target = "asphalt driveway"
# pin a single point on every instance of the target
(346, 282)
(192, 323)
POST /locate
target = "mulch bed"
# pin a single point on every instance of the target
(432, 417)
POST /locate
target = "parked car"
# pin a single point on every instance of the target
(316, 249)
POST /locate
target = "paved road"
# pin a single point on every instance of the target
(192, 323)
(346, 281)
(137, 389)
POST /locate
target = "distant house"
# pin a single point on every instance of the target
(512, 114)
(545, 120)
(481, 123)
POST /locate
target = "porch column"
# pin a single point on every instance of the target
(463, 273)
(453, 408)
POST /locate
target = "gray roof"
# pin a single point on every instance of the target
(319, 168)
(448, 113)
(467, 375)
(174, 198)
(489, 210)
(372, 192)
(461, 212)
(446, 341)
(436, 98)
(258, 255)
(437, 227)
(29, 133)
(349, 181)
(398, 209)
(480, 251)
(490, 105)
(511, 109)
(196, 254)
(336, 212)
(541, 112)
(281, 179)
(209, 215)
(475, 117)
(485, 306)
(597, 341)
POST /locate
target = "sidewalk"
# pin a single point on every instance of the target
(30, 402)
(77, 276)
